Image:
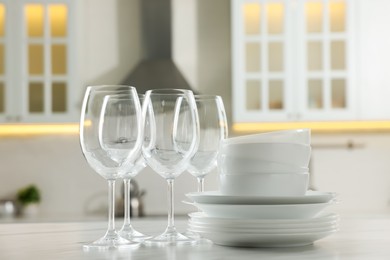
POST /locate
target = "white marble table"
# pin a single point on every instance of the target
(358, 238)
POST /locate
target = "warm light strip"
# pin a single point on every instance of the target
(38, 129)
(344, 126)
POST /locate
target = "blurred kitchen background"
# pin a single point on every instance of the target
(277, 64)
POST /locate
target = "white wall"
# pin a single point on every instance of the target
(185, 39)
(69, 187)
(112, 44)
(360, 175)
(56, 165)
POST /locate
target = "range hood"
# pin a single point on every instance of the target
(157, 68)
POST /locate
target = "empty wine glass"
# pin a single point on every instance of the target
(171, 139)
(213, 129)
(127, 231)
(110, 138)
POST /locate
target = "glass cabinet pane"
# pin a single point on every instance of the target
(275, 56)
(275, 18)
(2, 20)
(275, 91)
(58, 97)
(337, 16)
(315, 96)
(314, 55)
(253, 95)
(58, 59)
(337, 50)
(338, 93)
(35, 59)
(251, 13)
(58, 16)
(253, 57)
(35, 95)
(313, 13)
(34, 20)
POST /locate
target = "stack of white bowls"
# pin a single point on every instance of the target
(269, 164)
(263, 198)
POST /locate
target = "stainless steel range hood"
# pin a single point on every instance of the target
(157, 68)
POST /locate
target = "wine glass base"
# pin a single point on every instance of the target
(109, 242)
(199, 240)
(131, 234)
(192, 235)
(170, 238)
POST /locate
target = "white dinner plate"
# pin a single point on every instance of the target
(264, 240)
(234, 229)
(282, 211)
(215, 197)
(200, 217)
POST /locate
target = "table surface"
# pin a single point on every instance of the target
(358, 238)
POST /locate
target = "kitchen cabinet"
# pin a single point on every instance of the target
(37, 61)
(373, 40)
(294, 60)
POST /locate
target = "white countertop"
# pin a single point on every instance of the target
(358, 238)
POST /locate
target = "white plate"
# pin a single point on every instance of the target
(215, 197)
(234, 229)
(244, 225)
(200, 217)
(282, 211)
(264, 240)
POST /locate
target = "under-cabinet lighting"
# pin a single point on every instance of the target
(320, 127)
(38, 129)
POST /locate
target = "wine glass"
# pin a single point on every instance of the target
(127, 231)
(213, 129)
(171, 139)
(110, 138)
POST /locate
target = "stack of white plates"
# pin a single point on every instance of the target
(255, 221)
(263, 198)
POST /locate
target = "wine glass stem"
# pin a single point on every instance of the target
(111, 207)
(171, 218)
(200, 184)
(126, 184)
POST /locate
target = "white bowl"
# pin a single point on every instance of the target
(296, 136)
(285, 153)
(265, 184)
(233, 165)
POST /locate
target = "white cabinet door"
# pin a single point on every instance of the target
(7, 62)
(260, 60)
(39, 50)
(326, 51)
(293, 60)
(374, 59)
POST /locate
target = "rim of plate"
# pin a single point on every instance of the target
(215, 197)
(320, 218)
